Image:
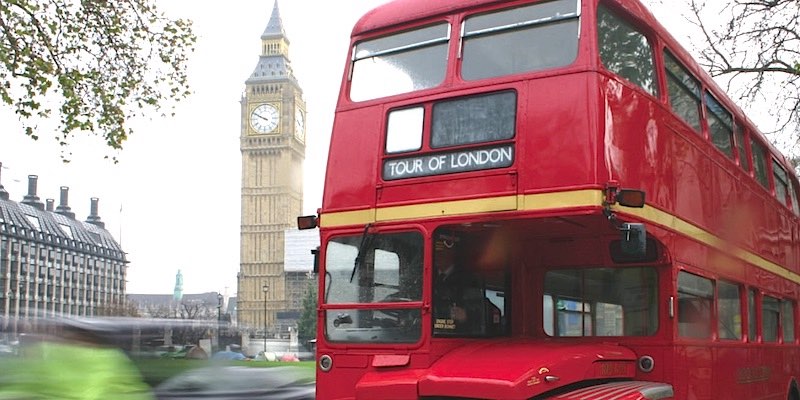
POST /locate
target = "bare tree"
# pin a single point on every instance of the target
(752, 47)
(196, 309)
(125, 309)
(159, 311)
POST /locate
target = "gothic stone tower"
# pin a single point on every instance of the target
(273, 150)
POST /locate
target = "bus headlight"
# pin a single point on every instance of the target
(325, 363)
(646, 363)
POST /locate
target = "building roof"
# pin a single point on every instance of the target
(274, 29)
(29, 220)
(273, 67)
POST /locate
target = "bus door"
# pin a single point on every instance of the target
(731, 356)
(693, 347)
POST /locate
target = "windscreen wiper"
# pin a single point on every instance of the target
(366, 241)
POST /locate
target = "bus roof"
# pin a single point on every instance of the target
(398, 12)
(402, 11)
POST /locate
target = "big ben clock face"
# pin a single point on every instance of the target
(265, 118)
(299, 125)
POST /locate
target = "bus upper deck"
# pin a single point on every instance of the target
(450, 113)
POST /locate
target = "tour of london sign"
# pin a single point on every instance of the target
(448, 163)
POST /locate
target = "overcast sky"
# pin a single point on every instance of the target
(173, 201)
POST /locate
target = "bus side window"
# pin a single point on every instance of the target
(684, 92)
(548, 312)
(695, 295)
(752, 325)
(625, 51)
(787, 320)
(720, 125)
(770, 315)
(781, 183)
(494, 318)
(759, 163)
(744, 161)
(729, 313)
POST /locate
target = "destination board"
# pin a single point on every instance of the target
(449, 162)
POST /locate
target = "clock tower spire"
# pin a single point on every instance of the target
(272, 143)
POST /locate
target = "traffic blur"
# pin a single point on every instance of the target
(133, 358)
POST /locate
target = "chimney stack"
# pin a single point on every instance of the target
(94, 218)
(31, 198)
(49, 205)
(3, 193)
(63, 208)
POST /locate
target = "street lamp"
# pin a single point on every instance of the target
(265, 289)
(219, 318)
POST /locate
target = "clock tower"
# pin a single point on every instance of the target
(273, 149)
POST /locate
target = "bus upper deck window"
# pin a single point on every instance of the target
(523, 39)
(720, 125)
(401, 63)
(404, 130)
(455, 123)
(684, 92)
(744, 162)
(781, 183)
(759, 163)
(625, 51)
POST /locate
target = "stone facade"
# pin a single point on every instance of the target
(273, 149)
(53, 265)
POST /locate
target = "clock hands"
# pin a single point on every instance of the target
(262, 117)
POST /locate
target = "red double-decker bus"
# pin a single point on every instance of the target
(549, 199)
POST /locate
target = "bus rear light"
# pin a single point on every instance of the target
(646, 363)
(623, 197)
(307, 222)
(630, 198)
(325, 363)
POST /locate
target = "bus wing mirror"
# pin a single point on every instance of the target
(315, 252)
(634, 239)
(307, 222)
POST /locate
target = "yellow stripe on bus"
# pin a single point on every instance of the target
(676, 224)
(530, 202)
(343, 218)
(546, 201)
(447, 208)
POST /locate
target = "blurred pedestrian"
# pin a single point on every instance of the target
(76, 362)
